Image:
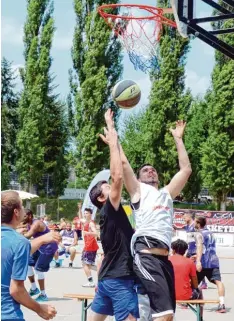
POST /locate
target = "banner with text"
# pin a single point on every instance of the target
(218, 222)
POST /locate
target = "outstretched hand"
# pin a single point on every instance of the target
(110, 134)
(178, 132)
(109, 118)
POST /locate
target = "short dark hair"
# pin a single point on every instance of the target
(201, 220)
(28, 212)
(10, 201)
(95, 192)
(179, 246)
(140, 168)
(87, 209)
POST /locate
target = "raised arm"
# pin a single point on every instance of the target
(180, 179)
(116, 170)
(130, 181)
(199, 251)
(35, 227)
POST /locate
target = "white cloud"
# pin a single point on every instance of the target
(12, 31)
(198, 85)
(15, 68)
(63, 41)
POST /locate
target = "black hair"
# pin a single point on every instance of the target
(10, 201)
(87, 209)
(95, 192)
(140, 168)
(179, 246)
(28, 212)
(201, 220)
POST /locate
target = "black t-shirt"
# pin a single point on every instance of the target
(115, 233)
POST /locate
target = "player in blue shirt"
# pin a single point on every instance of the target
(209, 261)
(14, 263)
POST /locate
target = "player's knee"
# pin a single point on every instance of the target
(130, 318)
(72, 250)
(168, 317)
(40, 275)
(30, 271)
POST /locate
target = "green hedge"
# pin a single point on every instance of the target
(68, 208)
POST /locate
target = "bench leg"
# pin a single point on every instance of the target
(198, 312)
(84, 310)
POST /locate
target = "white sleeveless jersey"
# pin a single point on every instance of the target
(155, 215)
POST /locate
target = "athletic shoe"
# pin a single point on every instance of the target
(57, 264)
(89, 285)
(221, 308)
(42, 298)
(203, 286)
(34, 292)
(70, 265)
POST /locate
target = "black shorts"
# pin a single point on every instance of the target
(157, 277)
(211, 274)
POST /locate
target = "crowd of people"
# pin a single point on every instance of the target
(142, 272)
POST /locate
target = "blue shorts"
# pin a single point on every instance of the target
(41, 261)
(116, 297)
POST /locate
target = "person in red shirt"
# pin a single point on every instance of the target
(186, 284)
(77, 223)
(90, 245)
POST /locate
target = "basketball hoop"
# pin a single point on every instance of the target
(139, 29)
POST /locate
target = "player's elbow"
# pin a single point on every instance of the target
(14, 291)
(117, 177)
(187, 170)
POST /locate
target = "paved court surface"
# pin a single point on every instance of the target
(65, 280)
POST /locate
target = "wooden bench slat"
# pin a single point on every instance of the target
(79, 296)
(197, 301)
(91, 296)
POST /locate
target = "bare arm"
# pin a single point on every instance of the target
(180, 179)
(80, 215)
(199, 246)
(116, 169)
(130, 181)
(36, 227)
(194, 282)
(93, 229)
(75, 242)
(20, 294)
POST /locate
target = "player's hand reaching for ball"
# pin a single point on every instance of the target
(178, 132)
(109, 118)
(47, 312)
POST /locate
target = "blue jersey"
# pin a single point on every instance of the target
(209, 258)
(190, 230)
(14, 266)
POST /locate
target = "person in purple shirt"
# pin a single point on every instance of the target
(42, 258)
(209, 263)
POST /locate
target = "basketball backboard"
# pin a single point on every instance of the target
(185, 16)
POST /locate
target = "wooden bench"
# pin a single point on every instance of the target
(194, 305)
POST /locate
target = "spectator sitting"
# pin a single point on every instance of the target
(186, 283)
(69, 241)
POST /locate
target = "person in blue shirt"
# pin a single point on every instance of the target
(209, 260)
(15, 250)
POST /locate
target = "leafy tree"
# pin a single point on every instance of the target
(218, 150)
(42, 139)
(97, 65)
(9, 121)
(168, 102)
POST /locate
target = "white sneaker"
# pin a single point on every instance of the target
(89, 285)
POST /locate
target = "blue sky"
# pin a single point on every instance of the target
(199, 63)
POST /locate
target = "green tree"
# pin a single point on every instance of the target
(9, 121)
(218, 150)
(41, 140)
(196, 135)
(97, 64)
(169, 101)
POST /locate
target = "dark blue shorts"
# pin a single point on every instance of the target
(41, 261)
(116, 297)
(88, 257)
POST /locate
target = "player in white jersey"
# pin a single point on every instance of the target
(153, 212)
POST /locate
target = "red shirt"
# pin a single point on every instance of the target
(90, 242)
(184, 269)
(77, 223)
